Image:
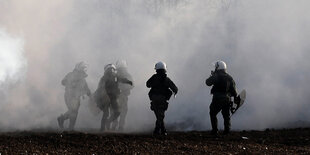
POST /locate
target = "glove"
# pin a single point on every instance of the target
(88, 93)
(130, 82)
(212, 72)
(237, 100)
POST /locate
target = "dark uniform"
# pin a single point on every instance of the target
(108, 86)
(161, 91)
(223, 89)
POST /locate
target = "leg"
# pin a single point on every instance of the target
(72, 104)
(124, 110)
(115, 109)
(159, 106)
(62, 118)
(158, 123)
(214, 110)
(74, 113)
(226, 116)
(104, 119)
(72, 118)
(115, 122)
(161, 117)
(66, 114)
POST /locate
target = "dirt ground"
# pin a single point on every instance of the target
(286, 141)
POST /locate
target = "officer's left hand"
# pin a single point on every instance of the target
(88, 94)
(237, 100)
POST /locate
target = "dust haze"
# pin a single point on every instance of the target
(264, 43)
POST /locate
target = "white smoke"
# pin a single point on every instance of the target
(12, 60)
(265, 45)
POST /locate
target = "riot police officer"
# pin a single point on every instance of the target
(161, 91)
(223, 88)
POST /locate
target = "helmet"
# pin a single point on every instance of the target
(220, 65)
(81, 66)
(110, 67)
(121, 64)
(160, 65)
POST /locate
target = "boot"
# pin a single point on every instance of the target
(214, 132)
(103, 125)
(163, 129)
(61, 120)
(226, 132)
(156, 131)
(121, 129)
(72, 121)
(114, 125)
(164, 132)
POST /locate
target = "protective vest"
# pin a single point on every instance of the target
(223, 83)
(161, 85)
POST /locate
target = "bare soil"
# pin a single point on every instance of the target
(285, 141)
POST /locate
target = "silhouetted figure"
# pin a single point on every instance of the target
(75, 87)
(161, 90)
(223, 89)
(122, 73)
(108, 87)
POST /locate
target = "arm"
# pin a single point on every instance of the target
(210, 81)
(149, 82)
(101, 85)
(233, 90)
(173, 87)
(64, 81)
(88, 92)
(131, 79)
(124, 80)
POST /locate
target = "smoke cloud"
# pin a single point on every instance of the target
(264, 44)
(12, 60)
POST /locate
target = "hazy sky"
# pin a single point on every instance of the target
(264, 43)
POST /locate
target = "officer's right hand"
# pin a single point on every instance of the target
(130, 82)
(212, 72)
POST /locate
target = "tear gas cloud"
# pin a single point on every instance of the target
(11, 57)
(264, 44)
